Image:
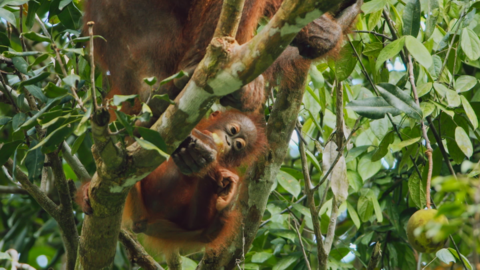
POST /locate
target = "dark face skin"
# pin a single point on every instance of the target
(233, 136)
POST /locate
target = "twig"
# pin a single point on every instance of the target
(373, 33)
(307, 262)
(451, 45)
(441, 146)
(20, 28)
(15, 264)
(75, 163)
(66, 221)
(429, 150)
(322, 255)
(92, 66)
(136, 252)
(12, 190)
(393, 31)
(41, 198)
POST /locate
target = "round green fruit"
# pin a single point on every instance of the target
(419, 240)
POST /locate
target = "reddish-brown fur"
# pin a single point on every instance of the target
(180, 211)
(160, 37)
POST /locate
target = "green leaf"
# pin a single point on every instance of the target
(153, 137)
(427, 108)
(71, 16)
(377, 208)
(7, 150)
(400, 100)
(53, 91)
(289, 183)
(71, 80)
(389, 51)
(364, 207)
(86, 39)
(382, 149)
(8, 16)
(463, 141)
(260, 257)
(174, 76)
(36, 37)
(417, 191)
(470, 43)
(18, 120)
(164, 97)
(374, 6)
(20, 64)
(78, 142)
(411, 18)
(150, 146)
(373, 49)
(119, 99)
(424, 89)
(12, 2)
(125, 121)
(347, 62)
(285, 262)
(353, 215)
(150, 80)
(464, 259)
(453, 99)
(472, 116)
(51, 142)
(400, 145)
(34, 118)
(63, 3)
(34, 162)
(418, 51)
(11, 54)
(445, 256)
(78, 51)
(373, 108)
(367, 168)
(317, 77)
(40, 77)
(465, 83)
(440, 88)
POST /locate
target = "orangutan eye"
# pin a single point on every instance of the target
(239, 144)
(234, 129)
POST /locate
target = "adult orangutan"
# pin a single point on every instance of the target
(162, 37)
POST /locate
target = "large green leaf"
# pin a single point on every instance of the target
(463, 141)
(470, 43)
(8, 149)
(418, 51)
(411, 18)
(373, 108)
(400, 100)
(465, 83)
(389, 51)
(472, 116)
(289, 183)
(417, 191)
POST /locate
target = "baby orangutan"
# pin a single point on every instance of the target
(186, 202)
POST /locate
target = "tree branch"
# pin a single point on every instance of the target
(12, 190)
(41, 198)
(66, 219)
(136, 252)
(75, 163)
